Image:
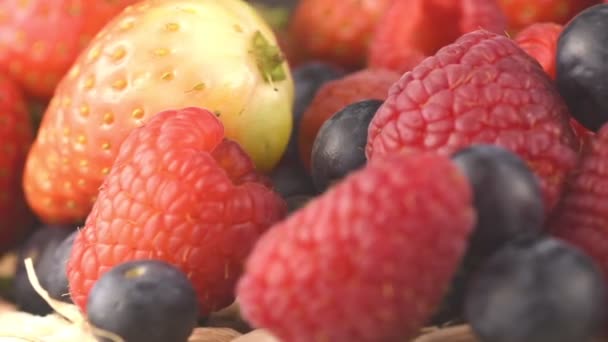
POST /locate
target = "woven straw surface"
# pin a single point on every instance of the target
(67, 325)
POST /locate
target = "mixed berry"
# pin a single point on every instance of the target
(144, 301)
(546, 289)
(38, 247)
(340, 170)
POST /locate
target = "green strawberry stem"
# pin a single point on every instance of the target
(268, 58)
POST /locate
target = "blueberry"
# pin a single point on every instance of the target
(581, 71)
(307, 78)
(144, 300)
(537, 290)
(45, 238)
(507, 197)
(290, 179)
(339, 147)
(52, 271)
(296, 202)
(509, 205)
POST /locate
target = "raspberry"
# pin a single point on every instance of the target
(411, 30)
(584, 135)
(482, 89)
(179, 193)
(582, 218)
(336, 31)
(366, 84)
(540, 41)
(369, 260)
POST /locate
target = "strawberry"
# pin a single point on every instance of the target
(582, 218)
(337, 94)
(414, 29)
(337, 32)
(155, 56)
(15, 139)
(522, 13)
(540, 41)
(40, 39)
(483, 89)
(369, 260)
(181, 193)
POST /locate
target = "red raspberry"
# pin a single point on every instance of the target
(540, 41)
(481, 89)
(583, 134)
(413, 29)
(582, 218)
(369, 260)
(337, 94)
(336, 31)
(180, 193)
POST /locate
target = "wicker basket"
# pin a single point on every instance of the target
(68, 325)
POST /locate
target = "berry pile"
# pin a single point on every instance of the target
(342, 170)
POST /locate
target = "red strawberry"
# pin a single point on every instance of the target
(582, 218)
(336, 31)
(481, 89)
(411, 30)
(337, 94)
(522, 13)
(181, 193)
(154, 57)
(15, 139)
(540, 41)
(40, 39)
(369, 260)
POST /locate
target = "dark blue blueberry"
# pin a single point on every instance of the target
(296, 202)
(144, 300)
(339, 147)
(44, 239)
(507, 197)
(290, 179)
(52, 269)
(581, 69)
(537, 290)
(509, 204)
